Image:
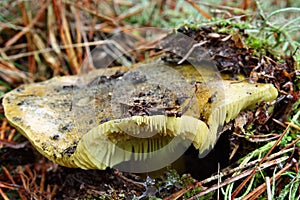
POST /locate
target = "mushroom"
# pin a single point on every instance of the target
(148, 113)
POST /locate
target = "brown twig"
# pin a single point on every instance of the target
(179, 193)
(239, 168)
(131, 12)
(13, 145)
(52, 29)
(236, 178)
(78, 25)
(238, 189)
(291, 144)
(43, 178)
(8, 175)
(138, 184)
(222, 7)
(10, 186)
(190, 51)
(2, 130)
(200, 10)
(260, 189)
(50, 58)
(227, 172)
(6, 172)
(31, 60)
(11, 135)
(85, 44)
(16, 37)
(65, 35)
(24, 179)
(54, 191)
(293, 125)
(97, 14)
(4, 196)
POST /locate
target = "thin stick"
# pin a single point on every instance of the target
(178, 194)
(291, 144)
(4, 196)
(138, 184)
(97, 14)
(43, 177)
(200, 10)
(268, 184)
(233, 9)
(78, 26)
(8, 175)
(2, 130)
(10, 186)
(85, 44)
(226, 173)
(190, 51)
(259, 190)
(16, 37)
(51, 22)
(239, 188)
(293, 125)
(31, 60)
(236, 178)
(11, 135)
(239, 168)
(227, 181)
(65, 35)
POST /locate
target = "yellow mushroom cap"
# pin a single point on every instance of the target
(98, 120)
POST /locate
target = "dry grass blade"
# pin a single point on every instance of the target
(16, 37)
(6, 171)
(24, 179)
(269, 190)
(8, 175)
(13, 145)
(200, 10)
(11, 135)
(292, 144)
(231, 171)
(131, 12)
(13, 76)
(9, 186)
(238, 189)
(50, 59)
(2, 131)
(222, 7)
(138, 184)
(88, 61)
(65, 35)
(52, 30)
(259, 190)
(43, 178)
(95, 13)
(247, 4)
(45, 50)
(25, 13)
(238, 177)
(178, 194)
(4, 196)
(239, 168)
(293, 125)
(78, 25)
(4, 63)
